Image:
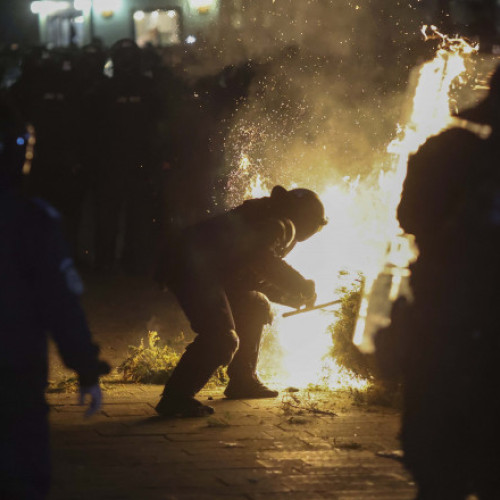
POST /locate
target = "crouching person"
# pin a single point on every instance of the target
(39, 290)
(223, 272)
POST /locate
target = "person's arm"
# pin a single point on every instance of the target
(58, 288)
(282, 283)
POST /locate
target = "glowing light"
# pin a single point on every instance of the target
(155, 14)
(29, 150)
(202, 5)
(79, 19)
(190, 39)
(84, 5)
(47, 7)
(139, 15)
(107, 6)
(171, 14)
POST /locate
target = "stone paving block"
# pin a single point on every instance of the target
(263, 404)
(224, 433)
(246, 477)
(223, 404)
(215, 464)
(344, 482)
(291, 495)
(127, 410)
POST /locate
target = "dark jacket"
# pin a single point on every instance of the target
(243, 247)
(39, 293)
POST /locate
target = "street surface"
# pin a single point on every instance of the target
(248, 450)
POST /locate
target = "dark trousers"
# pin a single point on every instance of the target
(24, 457)
(228, 324)
(451, 411)
(123, 196)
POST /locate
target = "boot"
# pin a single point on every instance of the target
(248, 388)
(182, 406)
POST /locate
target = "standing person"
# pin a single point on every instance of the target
(48, 98)
(223, 271)
(449, 335)
(39, 289)
(127, 111)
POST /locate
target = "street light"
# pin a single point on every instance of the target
(202, 6)
(107, 7)
(48, 7)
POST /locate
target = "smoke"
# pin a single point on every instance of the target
(330, 81)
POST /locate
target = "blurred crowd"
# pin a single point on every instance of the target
(127, 148)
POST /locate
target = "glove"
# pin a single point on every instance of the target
(94, 391)
(305, 297)
(308, 293)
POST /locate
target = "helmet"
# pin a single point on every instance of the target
(303, 207)
(126, 57)
(92, 60)
(16, 146)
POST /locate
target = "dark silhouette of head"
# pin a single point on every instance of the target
(92, 60)
(303, 207)
(126, 57)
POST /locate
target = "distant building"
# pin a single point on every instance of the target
(158, 22)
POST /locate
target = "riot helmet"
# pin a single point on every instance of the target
(17, 142)
(92, 60)
(303, 207)
(126, 57)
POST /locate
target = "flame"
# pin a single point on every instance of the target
(363, 224)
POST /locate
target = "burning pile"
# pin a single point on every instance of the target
(362, 213)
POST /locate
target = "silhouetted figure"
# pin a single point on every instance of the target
(127, 111)
(39, 293)
(449, 336)
(204, 124)
(223, 271)
(47, 95)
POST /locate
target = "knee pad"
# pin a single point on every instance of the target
(228, 344)
(260, 308)
(220, 348)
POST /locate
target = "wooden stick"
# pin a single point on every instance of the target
(313, 308)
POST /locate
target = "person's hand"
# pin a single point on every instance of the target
(309, 293)
(95, 393)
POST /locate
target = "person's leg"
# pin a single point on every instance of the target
(208, 310)
(24, 457)
(109, 197)
(251, 311)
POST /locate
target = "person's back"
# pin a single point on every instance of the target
(449, 336)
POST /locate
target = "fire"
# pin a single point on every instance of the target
(362, 214)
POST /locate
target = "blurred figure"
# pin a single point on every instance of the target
(10, 65)
(126, 110)
(39, 293)
(204, 126)
(89, 68)
(90, 75)
(223, 272)
(47, 95)
(448, 338)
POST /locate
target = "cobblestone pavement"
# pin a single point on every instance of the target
(249, 450)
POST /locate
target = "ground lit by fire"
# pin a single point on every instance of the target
(363, 224)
